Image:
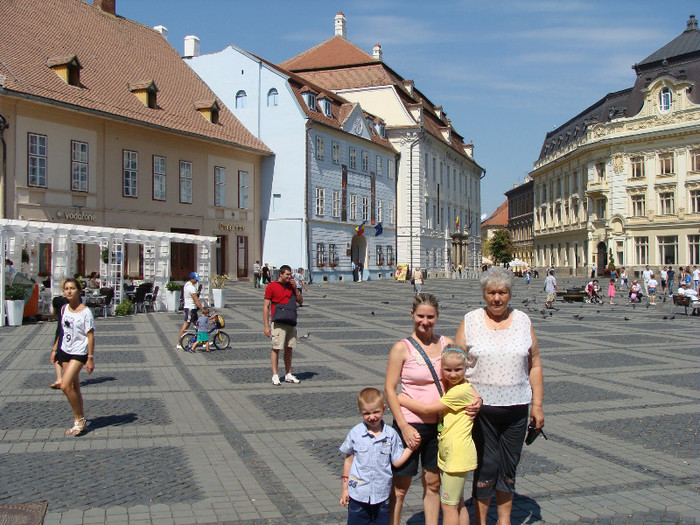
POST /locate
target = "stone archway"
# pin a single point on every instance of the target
(602, 258)
(358, 250)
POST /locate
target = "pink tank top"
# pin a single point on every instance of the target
(417, 382)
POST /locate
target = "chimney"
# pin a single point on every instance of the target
(108, 6)
(340, 25)
(191, 46)
(162, 30)
(377, 52)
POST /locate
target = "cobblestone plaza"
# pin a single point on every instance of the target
(175, 438)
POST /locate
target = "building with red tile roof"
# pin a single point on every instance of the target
(439, 179)
(105, 118)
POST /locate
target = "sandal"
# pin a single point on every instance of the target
(55, 385)
(78, 427)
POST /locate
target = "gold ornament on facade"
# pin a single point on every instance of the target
(618, 163)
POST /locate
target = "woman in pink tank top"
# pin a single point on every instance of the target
(408, 366)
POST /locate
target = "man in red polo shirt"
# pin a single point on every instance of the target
(280, 320)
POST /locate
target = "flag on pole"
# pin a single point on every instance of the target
(361, 228)
(378, 230)
(457, 223)
(469, 227)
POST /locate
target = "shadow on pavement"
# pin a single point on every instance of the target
(110, 421)
(97, 380)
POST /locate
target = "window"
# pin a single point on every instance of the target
(391, 213)
(310, 99)
(379, 165)
(320, 201)
(219, 186)
(365, 208)
(637, 167)
(695, 160)
(79, 166)
(320, 148)
(666, 164)
(365, 161)
(335, 151)
(320, 254)
(243, 190)
(434, 169)
(327, 108)
(36, 151)
(638, 205)
(130, 164)
(694, 249)
(380, 255)
(332, 254)
(380, 210)
(159, 178)
(241, 99)
(353, 207)
(185, 181)
(694, 201)
(272, 97)
(666, 204)
(600, 171)
(601, 208)
(390, 169)
(665, 99)
(390, 255)
(353, 158)
(641, 250)
(336, 203)
(668, 249)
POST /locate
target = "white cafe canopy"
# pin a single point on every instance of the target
(15, 234)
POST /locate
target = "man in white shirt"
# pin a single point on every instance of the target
(191, 304)
(696, 279)
(646, 275)
(684, 290)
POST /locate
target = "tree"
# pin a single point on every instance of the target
(499, 247)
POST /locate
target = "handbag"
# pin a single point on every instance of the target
(533, 432)
(432, 372)
(286, 312)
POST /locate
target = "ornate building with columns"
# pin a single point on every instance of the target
(620, 181)
(438, 183)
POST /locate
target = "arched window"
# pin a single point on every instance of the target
(240, 99)
(665, 98)
(272, 97)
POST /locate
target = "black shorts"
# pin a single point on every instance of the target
(63, 357)
(427, 451)
(191, 315)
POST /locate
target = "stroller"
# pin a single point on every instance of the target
(593, 293)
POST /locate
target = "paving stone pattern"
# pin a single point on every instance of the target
(178, 438)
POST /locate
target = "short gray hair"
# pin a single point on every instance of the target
(496, 276)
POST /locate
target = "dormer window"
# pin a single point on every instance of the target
(209, 109)
(146, 92)
(67, 67)
(370, 124)
(380, 128)
(326, 106)
(309, 97)
(665, 99)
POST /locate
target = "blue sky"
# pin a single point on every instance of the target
(506, 72)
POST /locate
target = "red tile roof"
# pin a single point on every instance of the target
(114, 52)
(499, 217)
(334, 52)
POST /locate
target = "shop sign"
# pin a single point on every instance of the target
(76, 216)
(231, 227)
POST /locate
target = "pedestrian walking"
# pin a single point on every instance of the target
(202, 331)
(190, 305)
(670, 275)
(77, 350)
(593, 270)
(651, 289)
(527, 278)
(611, 291)
(624, 279)
(551, 289)
(257, 276)
(57, 303)
(280, 321)
(353, 265)
(299, 280)
(646, 275)
(417, 279)
(266, 274)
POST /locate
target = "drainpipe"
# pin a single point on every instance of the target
(305, 215)
(3, 174)
(410, 174)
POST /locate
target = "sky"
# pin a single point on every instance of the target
(505, 72)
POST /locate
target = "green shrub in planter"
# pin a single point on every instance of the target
(126, 307)
(15, 293)
(173, 286)
(219, 281)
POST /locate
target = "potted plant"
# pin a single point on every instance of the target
(333, 264)
(173, 291)
(217, 289)
(321, 265)
(105, 255)
(14, 304)
(126, 307)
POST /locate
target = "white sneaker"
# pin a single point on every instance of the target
(179, 346)
(289, 378)
(276, 380)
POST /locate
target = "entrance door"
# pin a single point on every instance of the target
(182, 256)
(221, 249)
(241, 256)
(602, 258)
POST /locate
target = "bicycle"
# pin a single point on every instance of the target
(217, 336)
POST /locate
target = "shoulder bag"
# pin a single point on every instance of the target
(286, 312)
(432, 372)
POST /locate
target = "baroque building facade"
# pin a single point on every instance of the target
(333, 168)
(520, 219)
(620, 182)
(438, 183)
(107, 127)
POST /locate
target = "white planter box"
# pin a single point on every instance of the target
(172, 300)
(15, 311)
(219, 295)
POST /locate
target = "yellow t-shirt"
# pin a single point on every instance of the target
(456, 450)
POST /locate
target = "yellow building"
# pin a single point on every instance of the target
(622, 178)
(106, 126)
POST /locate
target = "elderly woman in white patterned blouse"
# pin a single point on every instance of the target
(508, 376)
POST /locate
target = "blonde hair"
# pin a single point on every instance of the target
(368, 397)
(459, 352)
(425, 298)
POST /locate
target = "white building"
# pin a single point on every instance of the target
(333, 167)
(438, 186)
